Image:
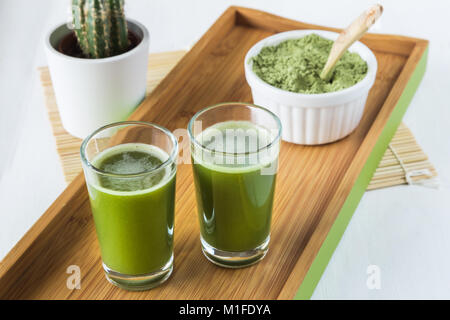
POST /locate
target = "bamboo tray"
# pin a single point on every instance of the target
(404, 161)
(317, 192)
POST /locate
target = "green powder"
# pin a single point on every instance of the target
(295, 65)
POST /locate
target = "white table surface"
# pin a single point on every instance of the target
(403, 230)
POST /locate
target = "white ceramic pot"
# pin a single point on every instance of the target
(91, 93)
(312, 118)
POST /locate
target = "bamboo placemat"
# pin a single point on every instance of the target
(403, 162)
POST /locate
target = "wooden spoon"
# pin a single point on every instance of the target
(353, 33)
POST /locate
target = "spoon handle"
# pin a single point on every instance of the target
(346, 38)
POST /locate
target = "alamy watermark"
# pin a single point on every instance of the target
(373, 281)
(233, 146)
(74, 280)
(229, 147)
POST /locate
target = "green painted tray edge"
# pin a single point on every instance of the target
(328, 247)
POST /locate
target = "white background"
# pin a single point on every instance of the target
(403, 230)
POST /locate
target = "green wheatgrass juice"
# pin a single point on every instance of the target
(134, 216)
(234, 195)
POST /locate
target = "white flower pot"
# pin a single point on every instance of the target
(91, 93)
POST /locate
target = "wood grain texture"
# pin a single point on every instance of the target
(389, 173)
(313, 182)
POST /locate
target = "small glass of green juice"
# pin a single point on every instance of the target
(234, 152)
(130, 170)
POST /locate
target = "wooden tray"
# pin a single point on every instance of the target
(317, 192)
(403, 156)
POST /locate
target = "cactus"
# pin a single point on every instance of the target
(100, 27)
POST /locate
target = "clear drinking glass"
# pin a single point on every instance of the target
(130, 170)
(234, 150)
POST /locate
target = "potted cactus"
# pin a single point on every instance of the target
(98, 65)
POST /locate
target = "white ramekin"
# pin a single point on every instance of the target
(312, 118)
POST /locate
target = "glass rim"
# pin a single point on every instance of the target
(163, 165)
(222, 104)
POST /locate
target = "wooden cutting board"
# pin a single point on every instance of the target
(318, 188)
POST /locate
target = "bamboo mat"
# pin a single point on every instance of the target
(403, 162)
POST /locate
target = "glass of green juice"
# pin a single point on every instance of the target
(130, 170)
(234, 152)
